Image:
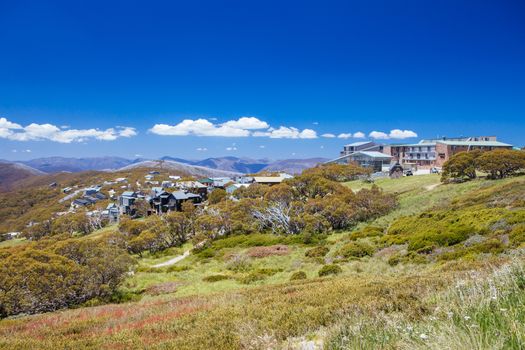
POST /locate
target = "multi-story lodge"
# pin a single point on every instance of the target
(425, 153)
(435, 152)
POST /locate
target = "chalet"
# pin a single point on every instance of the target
(221, 182)
(154, 172)
(193, 187)
(149, 177)
(206, 181)
(162, 201)
(111, 212)
(91, 190)
(66, 189)
(80, 202)
(127, 202)
(268, 180)
(174, 177)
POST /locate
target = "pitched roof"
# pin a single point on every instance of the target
(269, 179)
(372, 154)
(181, 195)
(360, 143)
(475, 143)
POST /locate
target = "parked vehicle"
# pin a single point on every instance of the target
(408, 172)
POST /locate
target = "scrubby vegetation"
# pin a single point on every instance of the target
(55, 274)
(498, 164)
(311, 261)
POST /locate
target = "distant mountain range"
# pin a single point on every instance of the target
(230, 164)
(194, 170)
(12, 173)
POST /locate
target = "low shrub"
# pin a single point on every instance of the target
(356, 250)
(517, 235)
(332, 269)
(263, 252)
(368, 231)
(239, 263)
(215, 278)
(298, 275)
(317, 252)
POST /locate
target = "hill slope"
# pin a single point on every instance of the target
(238, 294)
(10, 173)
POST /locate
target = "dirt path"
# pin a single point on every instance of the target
(431, 187)
(174, 260)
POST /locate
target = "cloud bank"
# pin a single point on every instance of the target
(42, 132)
(242, 127)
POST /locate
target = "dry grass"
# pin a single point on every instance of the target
(263, 252)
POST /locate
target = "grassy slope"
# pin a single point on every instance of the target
(226, 314)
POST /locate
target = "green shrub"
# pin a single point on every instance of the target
(317, 252)
(177, 268)
(356, 250)
(298, 275)
(332, 269)
(206, 253)
(215, 278)
(517, 234)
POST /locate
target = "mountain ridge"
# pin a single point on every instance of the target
(228, 163)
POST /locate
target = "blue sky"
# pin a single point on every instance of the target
(110, 71)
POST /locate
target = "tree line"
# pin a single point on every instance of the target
(497, 164)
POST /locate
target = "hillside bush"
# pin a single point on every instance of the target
(332, 269)
(317, 252)
(60, 274)
(298, 275)
(368, 231)
(215, 278)
(357, 249)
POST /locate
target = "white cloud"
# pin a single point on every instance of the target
(199, 127)
(394, 134)
(6, 124)
(359, 135)
(401, 134)
(378, 135)
(26, 151)
(345, 135)
(328, 135)
(201, 149)
(231, 148)
(284, 132)
(40, 132)
(247, 123)
(262, 146)
(315, 123)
